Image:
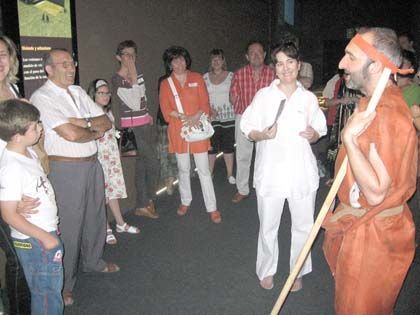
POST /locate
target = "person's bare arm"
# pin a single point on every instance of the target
(233, 98)
(369, 171)
(101, 123)
(415, 112)
(18, 222)
(78, 134)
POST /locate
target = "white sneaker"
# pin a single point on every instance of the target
(231, 180)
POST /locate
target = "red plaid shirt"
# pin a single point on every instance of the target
(244, 87)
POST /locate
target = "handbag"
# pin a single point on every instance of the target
(127, 142)
(203, 131)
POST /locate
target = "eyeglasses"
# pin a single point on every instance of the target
(67, 64)
(104, 93)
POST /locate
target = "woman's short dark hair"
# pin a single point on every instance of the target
(175, 52)
(126, 44)
(288, 48)
(93, 88)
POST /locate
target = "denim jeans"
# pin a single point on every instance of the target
(18, 294)
(44, 274)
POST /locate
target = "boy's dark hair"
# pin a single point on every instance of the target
(126, 44)
(15, 118)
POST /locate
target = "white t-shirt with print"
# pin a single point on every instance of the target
(20, 175)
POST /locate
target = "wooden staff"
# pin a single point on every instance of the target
(377, 93)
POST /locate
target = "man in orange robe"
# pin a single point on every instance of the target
(369, 241)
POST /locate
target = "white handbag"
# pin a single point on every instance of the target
(192, 134)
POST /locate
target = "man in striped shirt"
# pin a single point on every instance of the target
(245, 84)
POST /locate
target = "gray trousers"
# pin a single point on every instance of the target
(147, 165)
(244, 149)
(80, 195)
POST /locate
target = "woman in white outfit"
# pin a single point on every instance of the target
(285, 167)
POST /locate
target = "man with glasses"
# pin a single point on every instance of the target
(72, 122)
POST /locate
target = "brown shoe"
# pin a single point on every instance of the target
(238, 197)
(68, 297)
(146, 212)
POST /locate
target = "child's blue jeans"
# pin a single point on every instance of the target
(44, 274)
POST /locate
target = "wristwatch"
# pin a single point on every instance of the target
(88, 123)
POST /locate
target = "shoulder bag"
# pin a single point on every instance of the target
(192, 134)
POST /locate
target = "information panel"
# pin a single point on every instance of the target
(43, 25)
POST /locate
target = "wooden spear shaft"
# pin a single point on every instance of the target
(377, 93)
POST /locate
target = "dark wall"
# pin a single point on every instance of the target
(321, 26)
(197, 25)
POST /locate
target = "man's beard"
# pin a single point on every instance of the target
(359, 79)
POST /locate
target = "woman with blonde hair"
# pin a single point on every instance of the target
(17, 288)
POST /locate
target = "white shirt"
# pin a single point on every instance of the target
(219, 97)
(56, 107)
(20, 175)
(285, 165)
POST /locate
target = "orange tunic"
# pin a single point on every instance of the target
(369, 255)
(193, 97)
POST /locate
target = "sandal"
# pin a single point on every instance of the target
(110, 268)
(110, 237)
(127, 228)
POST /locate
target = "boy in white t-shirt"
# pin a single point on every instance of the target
(35, 239)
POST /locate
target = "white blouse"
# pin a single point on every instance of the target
(219, 97)
(285, 165)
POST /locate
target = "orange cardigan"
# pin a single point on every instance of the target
(194, 96)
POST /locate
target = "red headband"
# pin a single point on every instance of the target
(375, 55)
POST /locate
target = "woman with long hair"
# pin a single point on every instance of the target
(109, 157)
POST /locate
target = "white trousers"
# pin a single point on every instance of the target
(202, 163)
(244, 149)
(270, 209)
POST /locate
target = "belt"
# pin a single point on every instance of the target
(71, 159)
(348, 210)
